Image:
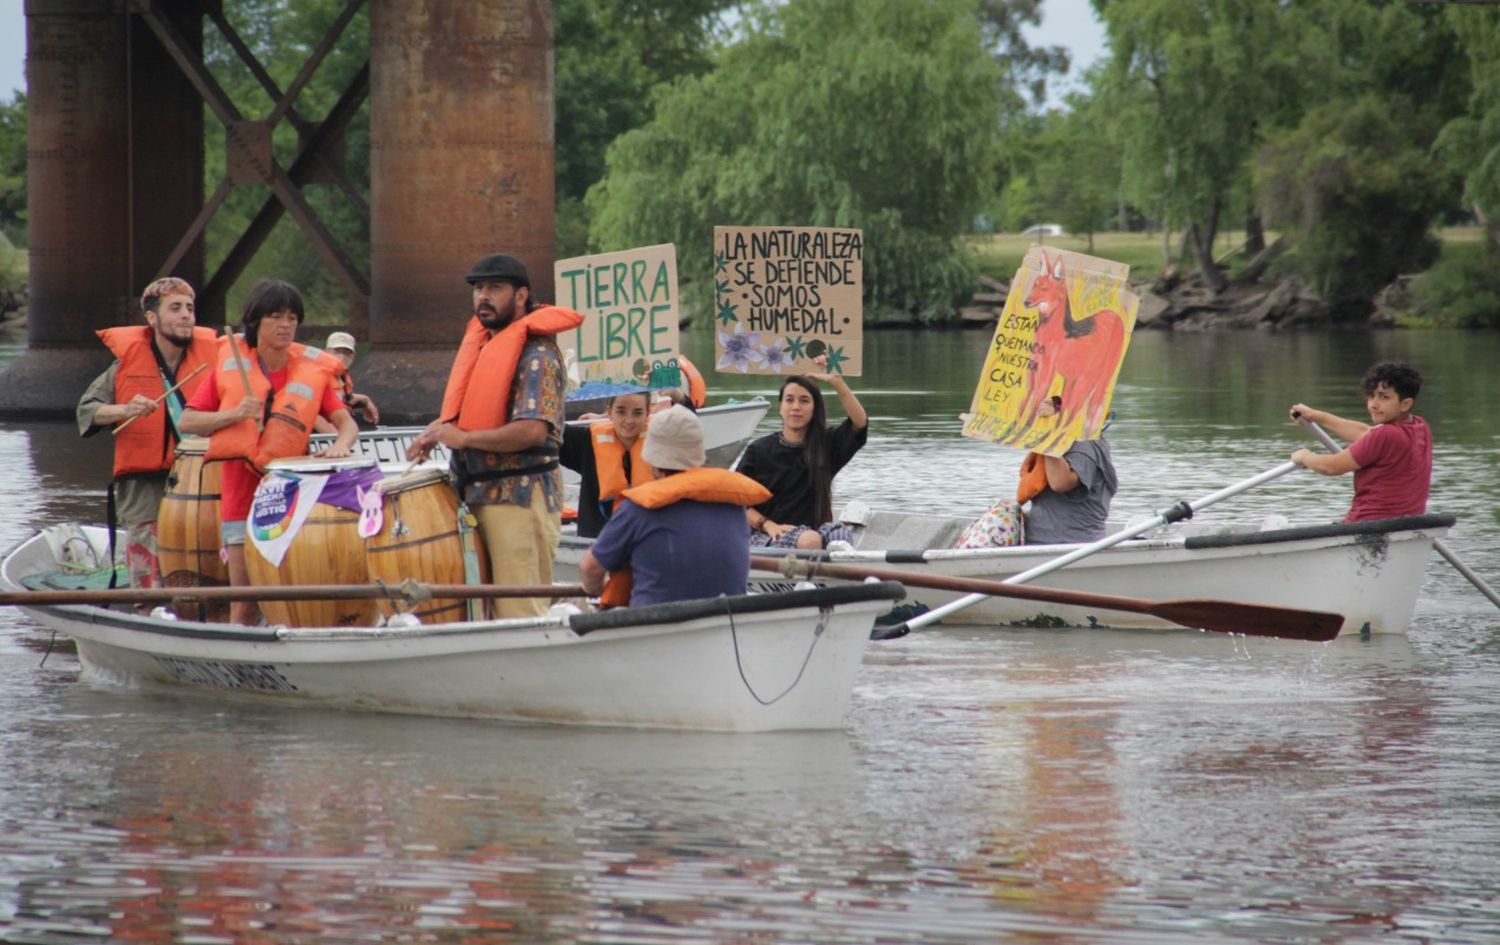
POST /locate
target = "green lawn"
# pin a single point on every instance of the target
(1000, 254)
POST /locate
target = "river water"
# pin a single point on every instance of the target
(991, 785)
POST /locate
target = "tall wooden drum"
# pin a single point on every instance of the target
(419, 538)
(326, 549)
(187, 525)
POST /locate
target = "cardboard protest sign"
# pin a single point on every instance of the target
(785, 295)
(629, 305)
(1060, 341)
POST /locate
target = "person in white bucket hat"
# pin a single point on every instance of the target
(682, 536)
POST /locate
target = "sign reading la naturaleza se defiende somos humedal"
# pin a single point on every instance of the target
(785, 295)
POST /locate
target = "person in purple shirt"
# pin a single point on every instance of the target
(1391, 457)
(683, 536)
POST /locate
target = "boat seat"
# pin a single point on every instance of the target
(886, 530)
(68, 579)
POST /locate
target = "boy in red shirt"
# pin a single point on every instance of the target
(1391, 457)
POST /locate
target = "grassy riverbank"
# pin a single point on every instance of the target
(1000, 254)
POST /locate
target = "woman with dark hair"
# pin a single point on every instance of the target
(799, 463)
(259, 404)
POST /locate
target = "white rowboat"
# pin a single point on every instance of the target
(758, 663)
(1370, 572)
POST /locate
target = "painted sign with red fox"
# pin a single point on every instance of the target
(1049, 373)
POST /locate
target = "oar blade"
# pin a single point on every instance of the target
(1252, 620)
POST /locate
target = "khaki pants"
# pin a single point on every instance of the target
(522, 542)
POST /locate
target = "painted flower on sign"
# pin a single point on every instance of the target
(777, 356)
(741, 349)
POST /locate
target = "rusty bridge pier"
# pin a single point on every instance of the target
(461, 164)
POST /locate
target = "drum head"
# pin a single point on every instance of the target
(192, 446)
(316, 465)
(416, 479)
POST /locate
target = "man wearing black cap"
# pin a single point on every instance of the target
(502, 419)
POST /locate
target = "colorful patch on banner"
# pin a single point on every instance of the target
(274, 507)
(1049, 374)
(282, 503)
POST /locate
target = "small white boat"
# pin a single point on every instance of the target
(756, 663)
(1370, 572)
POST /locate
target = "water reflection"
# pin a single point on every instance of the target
(1010, 785)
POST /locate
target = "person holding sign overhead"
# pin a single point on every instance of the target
(1069, 494)
(159, 364)
(799, 463)
(502, 418)
(259, 404)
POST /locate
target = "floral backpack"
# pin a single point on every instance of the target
(1000, 526)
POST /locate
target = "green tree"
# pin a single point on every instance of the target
(610, 55)
(13, 168)
(1471, 142)
(1078, 167)
(1197, 77)
(879, 114)
(1356, 193)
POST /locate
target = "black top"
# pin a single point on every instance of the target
(782, 468)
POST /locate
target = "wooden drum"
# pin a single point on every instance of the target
(419, 538)
(187, 524)
(327, 549)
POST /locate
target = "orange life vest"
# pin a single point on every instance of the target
(478, 391)
(309, 371)
(146, 445)
(697, 390)
(609, 461)
(704, 484)
(1033, 477)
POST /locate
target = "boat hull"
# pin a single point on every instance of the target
(1369, 572)
(748, 664)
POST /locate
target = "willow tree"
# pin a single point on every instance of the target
(878, 114)
(1471, 141)
(1197, 78)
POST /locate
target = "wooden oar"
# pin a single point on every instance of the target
(408, 592)
(239, 362)
(1223, 616)
(1442, 547)
(1177, 513)
(196, 371)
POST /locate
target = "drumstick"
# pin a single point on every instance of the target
(196, 371)
(244, 374)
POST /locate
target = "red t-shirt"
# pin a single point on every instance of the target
(1395, 470)
(238, 480)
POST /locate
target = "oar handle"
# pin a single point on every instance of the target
(165, 394)
(1261, 620)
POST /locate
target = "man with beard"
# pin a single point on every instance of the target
(502, 419)
(129, 396)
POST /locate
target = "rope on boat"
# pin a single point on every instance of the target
(824, 614)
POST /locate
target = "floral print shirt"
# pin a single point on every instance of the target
(537, 393)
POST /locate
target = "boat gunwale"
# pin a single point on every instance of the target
(662, 616)
(1228, 539)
